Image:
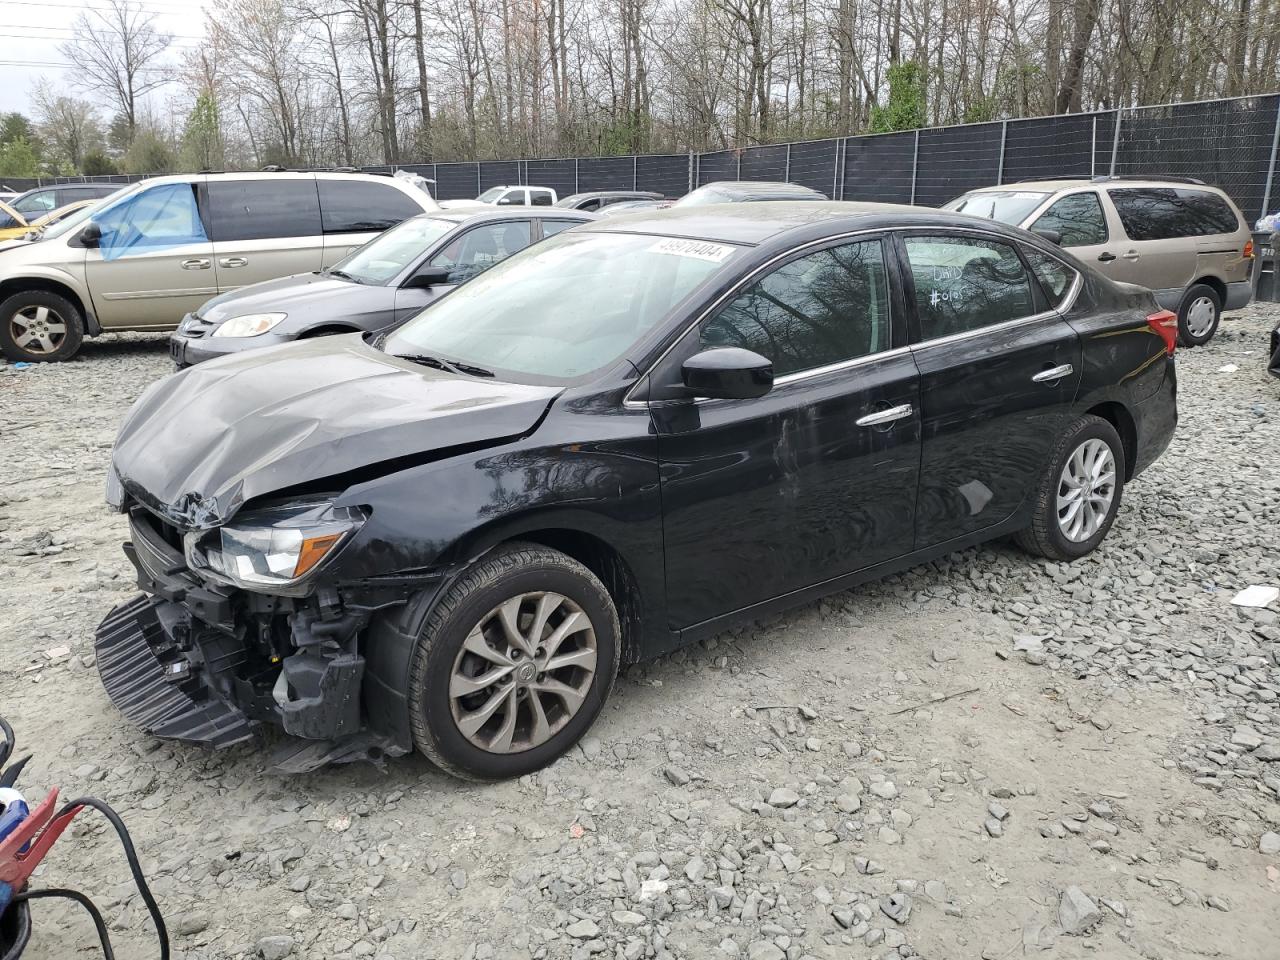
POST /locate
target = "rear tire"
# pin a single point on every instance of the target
(1199, 315)
(513, 664)
(1079, 493)
(37, 326)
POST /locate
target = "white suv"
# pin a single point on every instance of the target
(160, 248)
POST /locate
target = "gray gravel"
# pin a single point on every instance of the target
(984, 757)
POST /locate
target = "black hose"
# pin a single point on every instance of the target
(103, 938)
(135, 868)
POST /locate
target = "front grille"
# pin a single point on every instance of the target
(159, 544)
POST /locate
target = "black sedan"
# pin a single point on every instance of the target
(387, 280)
(632, 435)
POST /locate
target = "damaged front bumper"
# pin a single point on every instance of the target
(202, 663)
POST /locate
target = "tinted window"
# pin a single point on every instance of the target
(963, 283)
(1078, 218)
(540, 198)
(512, 198)
(1054, 275)
(479, 249)
(590, 204)
(1162, 213)
(356, 206)
(264, 209)
(824, 308)
(551, 227)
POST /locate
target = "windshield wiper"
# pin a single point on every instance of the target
(449, 366)
(343, 275)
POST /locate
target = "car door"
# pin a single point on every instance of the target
(352, 211)
(815, 479)
(264, 228)
(1158, 247)
(1081, 221)
(153, 262)
(999, 370)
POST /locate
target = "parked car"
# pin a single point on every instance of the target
(162, 247)
(746, 191)
(389, 279)
(1182, 238)
(28, 226)
(41, 200)
(599, 199)
(629, 436)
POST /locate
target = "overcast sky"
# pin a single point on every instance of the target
(31, 30)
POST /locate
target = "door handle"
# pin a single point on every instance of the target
(880, 417)
(232, 262)
(1053, 373)
(1131, 255)
(197, 263)
(1106, 256)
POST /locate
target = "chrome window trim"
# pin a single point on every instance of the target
(629, 403)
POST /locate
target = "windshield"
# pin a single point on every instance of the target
(1006, 206)
(77, 219)
(572, 200)
(387, 254)
(564, 307)
(492, 194)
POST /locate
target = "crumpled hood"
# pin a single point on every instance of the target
(200, 443)
(296, 295)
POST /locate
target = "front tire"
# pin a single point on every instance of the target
(1078, 495)
(1198, 315)
(513, 664)
(37, 326)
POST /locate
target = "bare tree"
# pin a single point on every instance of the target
(115, 49)
(68, 125)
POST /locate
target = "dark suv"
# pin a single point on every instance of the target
(631, 435)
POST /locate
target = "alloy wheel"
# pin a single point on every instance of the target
(1086, 490)
(38, 329)
(1200, 316)
(523, 672)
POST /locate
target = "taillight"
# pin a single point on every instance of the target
(1247, 252)
(1165, 324)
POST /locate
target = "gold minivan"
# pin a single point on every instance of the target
(160, 248)
(1180, 237)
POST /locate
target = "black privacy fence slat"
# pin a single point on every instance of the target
(710, 167)
(813, 165)
(560, 175)
(765, 163)
(953, 160)
(666, 174)
(879, 168)
(1228, 143)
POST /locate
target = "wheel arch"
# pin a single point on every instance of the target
(1216, 284)
(12, 285)
(1118, 415)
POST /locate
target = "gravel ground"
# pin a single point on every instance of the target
(988, 756)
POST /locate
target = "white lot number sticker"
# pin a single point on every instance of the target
(698, 249)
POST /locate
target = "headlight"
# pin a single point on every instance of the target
(250, 325)
(273, 548)
(115, 489)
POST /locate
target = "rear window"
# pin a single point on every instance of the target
(1003, 206)
(1163, 213)
(356, 206)
(266, 209)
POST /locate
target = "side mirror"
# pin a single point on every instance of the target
(1053, 236)
(90, 235)
(728, 373)
(427, 277)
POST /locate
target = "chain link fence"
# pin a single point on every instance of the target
(1230, 143)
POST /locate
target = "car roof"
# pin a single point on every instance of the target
(758, 188)
(1075, 183)
(614, 193)
(756, 223)
(485, 214)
